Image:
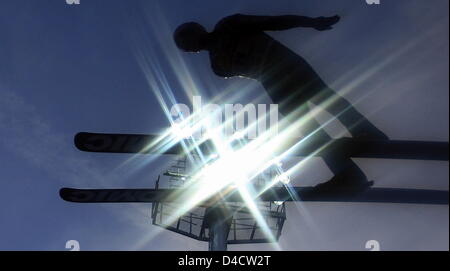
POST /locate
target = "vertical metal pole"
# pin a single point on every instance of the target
(219, 222)
(218, 234)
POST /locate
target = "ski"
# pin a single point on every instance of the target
(153, 144)
(372, 195)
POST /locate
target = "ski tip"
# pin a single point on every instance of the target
(68, 194)
(64, 192)
(78, 140)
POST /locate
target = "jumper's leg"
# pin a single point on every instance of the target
(358, 125)
(346, 172)
(292, 86)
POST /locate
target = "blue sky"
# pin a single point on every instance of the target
(71, 68)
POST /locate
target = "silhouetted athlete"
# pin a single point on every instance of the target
(238, 46)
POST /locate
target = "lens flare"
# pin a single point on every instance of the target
(236, 161)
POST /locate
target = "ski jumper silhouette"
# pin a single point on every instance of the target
(238, 46)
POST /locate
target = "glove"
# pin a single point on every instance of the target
(325, 23)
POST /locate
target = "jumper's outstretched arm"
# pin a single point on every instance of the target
(273, 23)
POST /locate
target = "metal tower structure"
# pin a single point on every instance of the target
(222, 223)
